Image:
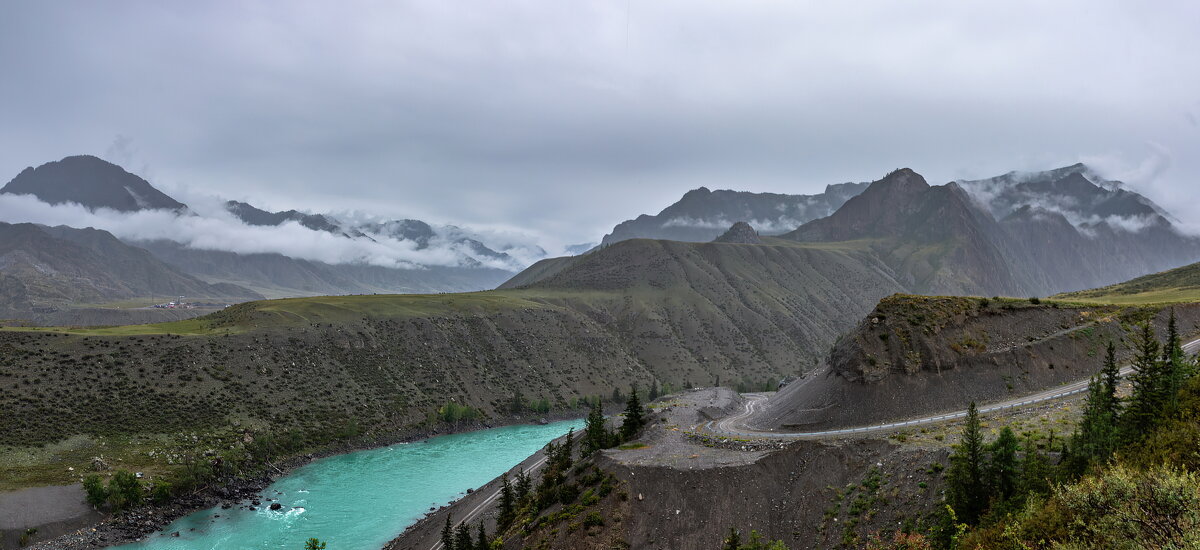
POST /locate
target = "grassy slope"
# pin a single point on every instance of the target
(330, 367)
(1174, 286)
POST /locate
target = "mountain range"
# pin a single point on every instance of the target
(462, 262)
(1018, 234)
(703, 215)
(47, 268)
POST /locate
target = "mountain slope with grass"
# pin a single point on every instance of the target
(675, 314)
(50, 268)
(1181, 284)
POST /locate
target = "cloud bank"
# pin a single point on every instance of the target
(216, 229)
(566, 117)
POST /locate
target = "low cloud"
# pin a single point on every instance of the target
(774, 226)
(216, 229)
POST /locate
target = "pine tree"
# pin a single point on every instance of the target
(448, 535)
(653, 390)
(1111, 375)
(595, 434)
(1146, 399)
(634, 416)
(1035, 471)
(1174, 365)
(567, 450)
(1002, 465)
(507, 503)
(463, 540)
(523, 486)
(482, 542)
(1095, 438)
(965, 488)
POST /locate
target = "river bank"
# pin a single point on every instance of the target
(137, 524)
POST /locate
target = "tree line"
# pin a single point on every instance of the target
(523, 496)
(1130, 452)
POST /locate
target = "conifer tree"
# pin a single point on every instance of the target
(1002, 471)
(507, 503)
(653, 389)
(634, 416)
(463, 540)
(482, 542)
(1146, 399)
(567, 449)
(1111, 375)
(595, 434)
(1174, 367)
(448, 535)
(1035, 471)
(523, 486)
(965, 488)
(1096, 436)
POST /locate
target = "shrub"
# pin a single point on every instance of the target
(124, 490)
(97, 494)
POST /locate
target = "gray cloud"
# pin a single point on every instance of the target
(216, 229)
(564, 118)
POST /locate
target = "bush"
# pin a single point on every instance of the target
(1117, 509)
(161, 492)
(593, 519)
(97, 494)
(124, 490)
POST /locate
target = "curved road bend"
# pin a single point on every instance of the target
(736, 426)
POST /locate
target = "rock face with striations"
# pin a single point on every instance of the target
(740, 233)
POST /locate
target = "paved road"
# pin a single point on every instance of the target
(736, 425)
(479, 508)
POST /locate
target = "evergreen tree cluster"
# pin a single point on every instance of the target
(983, 475)
(1109, 422)
(988, 482)
(460, 538)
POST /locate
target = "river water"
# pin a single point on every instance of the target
(360, 500)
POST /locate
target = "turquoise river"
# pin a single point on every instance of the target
(360, 500)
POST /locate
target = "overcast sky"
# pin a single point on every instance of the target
(563, 118)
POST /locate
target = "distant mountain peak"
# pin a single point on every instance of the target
(91, 182)
(740, 233)
(903, 180)
(702, 215)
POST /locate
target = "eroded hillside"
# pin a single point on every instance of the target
(917, 355)
(335, 367)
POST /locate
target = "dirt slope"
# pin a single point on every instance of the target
(920, 355)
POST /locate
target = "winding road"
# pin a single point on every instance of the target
(736, 425)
